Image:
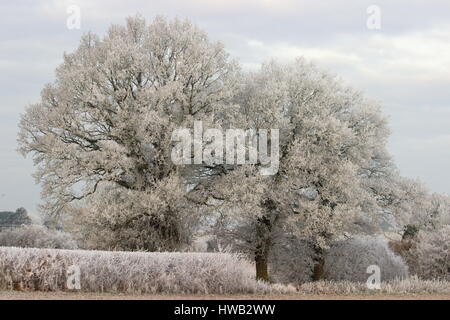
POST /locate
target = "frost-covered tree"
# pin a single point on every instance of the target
(105, 123)
(429, 256)
(434, 214)
(36, 236)
(328, 133)
(407, 205)
(105, 221)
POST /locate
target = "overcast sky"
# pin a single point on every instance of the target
(405, 64)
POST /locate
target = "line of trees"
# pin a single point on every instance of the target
(101, 140)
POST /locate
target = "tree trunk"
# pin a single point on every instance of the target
(264, 238)
(319, 262)
(318, 270)
(261, 266)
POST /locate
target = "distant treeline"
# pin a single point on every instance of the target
(10, 219)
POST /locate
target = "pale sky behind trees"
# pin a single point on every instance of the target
(405, 64)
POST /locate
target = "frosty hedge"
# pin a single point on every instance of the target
(130, 272)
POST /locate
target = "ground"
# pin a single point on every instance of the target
(16, 295)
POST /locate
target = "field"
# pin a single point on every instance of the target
(15, 295)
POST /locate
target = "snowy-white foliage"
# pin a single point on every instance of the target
(130, 272)
(349, 259)
(36, 236)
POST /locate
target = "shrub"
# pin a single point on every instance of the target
(36, 236)
(130, 272)
(349, 259)
(429, 256)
